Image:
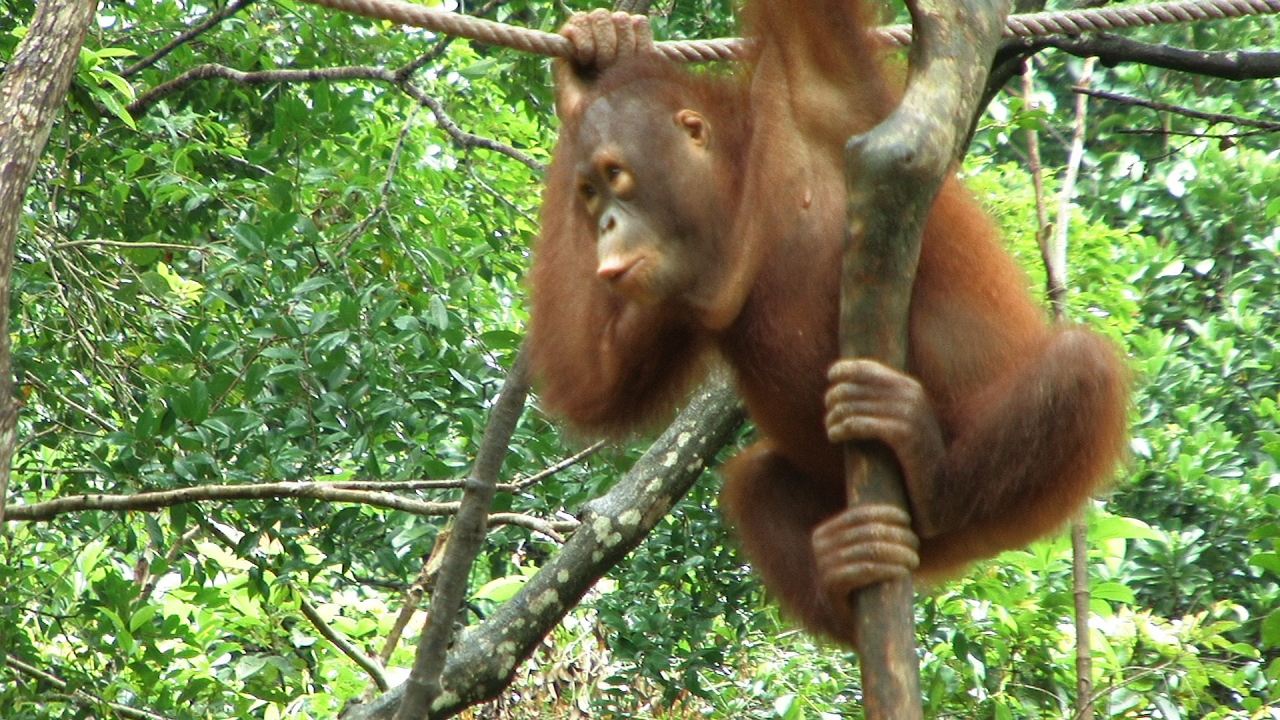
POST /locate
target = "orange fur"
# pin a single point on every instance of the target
(1033, 417)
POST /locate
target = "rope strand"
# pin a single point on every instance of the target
(1072, 22)
(1113, 18)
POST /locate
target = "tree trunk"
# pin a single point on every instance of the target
(31, 93)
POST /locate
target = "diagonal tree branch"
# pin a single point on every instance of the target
(482, 661)
(423, 687)
(345, 646)
(1268, 125)
(186, 36)
(85, 700)
(148, 100)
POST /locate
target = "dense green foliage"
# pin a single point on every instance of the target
(300, 281)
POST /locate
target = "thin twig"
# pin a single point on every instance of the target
(186, 36)
(345, 646)
(1056, 252)
(1053, 250)
(86, 412)
(1268, 125)
(80, 697)
(127, 245)
(1141, 674)
(158, 499)
(170, 557)
(148, 99)
(384, 192)
(541, 475)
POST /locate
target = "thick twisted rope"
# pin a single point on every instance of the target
(1076, 22)
(1113, 18)
(1072, 22)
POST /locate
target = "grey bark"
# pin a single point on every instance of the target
(32, 91)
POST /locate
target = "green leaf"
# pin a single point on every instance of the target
(134, 163)
(312, 285)
(1113, 591)
(144, 616)
(249, 665)
(479, 69)
(121, 85)
(1266, 561)
(439, 313)
(110, 52)
(501, 589)
(788, 707)
(1115, 527)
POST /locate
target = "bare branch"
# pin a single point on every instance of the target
(146, 501)
(149, 98)
(125, 245)
(538, 477)
(344, 645)
(423, 688)
(1054, 250)
(421, 585)
(80, 697)
(374, 493)
(186, 36)
(464, 139)
(86, 412)
(383, 205)
(400, 485)
(1111, 50)
(482, 661)
(550, 528)
(1267, 125)
(149, 588)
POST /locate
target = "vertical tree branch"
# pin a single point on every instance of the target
(1081, 595)
(1055, 259)
(893, 174)
(32, 91)
(1053, 252)
(1043, 229)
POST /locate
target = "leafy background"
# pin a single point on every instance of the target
(301, 281)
